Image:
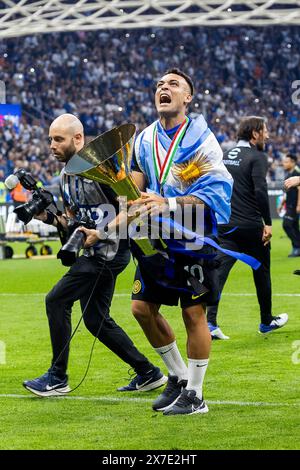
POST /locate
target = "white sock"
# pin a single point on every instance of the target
(172, 358)
(196, 373)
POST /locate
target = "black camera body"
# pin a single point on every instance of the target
(41, 199)
(70, 250)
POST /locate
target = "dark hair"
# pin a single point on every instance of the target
(248, 125)
(183, 75)
(292, 156)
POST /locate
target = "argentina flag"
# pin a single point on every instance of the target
(194, 166)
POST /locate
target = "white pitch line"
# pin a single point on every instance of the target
(146, 400)
(229, 294)
(37, 294)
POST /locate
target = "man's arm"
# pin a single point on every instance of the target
(154, 204)
(193, 200)
(51, 219)
(280, 207)
(262, 198)
(259, 172)
(292, 182)
(139, 179)
(137, 174)
(147, 204)
(298, 202)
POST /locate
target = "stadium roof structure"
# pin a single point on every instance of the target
(25, 17)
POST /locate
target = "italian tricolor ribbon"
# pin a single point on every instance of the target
(162, 171)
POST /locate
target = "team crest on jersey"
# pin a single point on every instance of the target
(137, 287)
(188, 172)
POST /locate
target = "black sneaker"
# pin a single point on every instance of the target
(187, 404)
(144, 383)
(48, 385)
(170, 393)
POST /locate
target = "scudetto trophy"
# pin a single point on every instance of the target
(107, 159)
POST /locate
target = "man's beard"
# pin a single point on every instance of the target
(68, 154)
(70, 151)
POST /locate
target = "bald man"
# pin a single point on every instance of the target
(91, 280)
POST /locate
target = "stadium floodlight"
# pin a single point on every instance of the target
(28, 17)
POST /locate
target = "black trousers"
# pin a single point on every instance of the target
(249, 241)
(291, 226)
(78, 284)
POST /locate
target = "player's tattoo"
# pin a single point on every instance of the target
(193, 200)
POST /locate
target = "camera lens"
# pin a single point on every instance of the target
(27, 211)
(69, 252)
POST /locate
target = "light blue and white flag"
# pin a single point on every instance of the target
(189, 164)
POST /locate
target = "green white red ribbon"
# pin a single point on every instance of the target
(162, 171)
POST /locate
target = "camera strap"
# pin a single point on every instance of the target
(62, 233)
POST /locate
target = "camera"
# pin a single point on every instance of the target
(41, 199)
(70, 250)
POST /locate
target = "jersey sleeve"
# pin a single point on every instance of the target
(134, 163)
(259, 172)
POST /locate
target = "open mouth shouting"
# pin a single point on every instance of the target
(164, 98)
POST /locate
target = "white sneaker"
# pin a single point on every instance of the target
(277, 322)
(216, 332)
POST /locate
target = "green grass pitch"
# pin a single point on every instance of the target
(252, 383)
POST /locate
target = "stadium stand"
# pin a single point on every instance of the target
(105, 77)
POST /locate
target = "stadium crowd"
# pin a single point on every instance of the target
(105, 78)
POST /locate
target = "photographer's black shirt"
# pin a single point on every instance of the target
(250, 203)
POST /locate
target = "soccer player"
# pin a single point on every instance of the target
(178, 161)
(250, 226)
(292, 203)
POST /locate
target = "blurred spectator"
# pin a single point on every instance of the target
(3, 190)
(105, 77)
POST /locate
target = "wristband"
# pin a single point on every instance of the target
(50, 218)
(172, 203)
